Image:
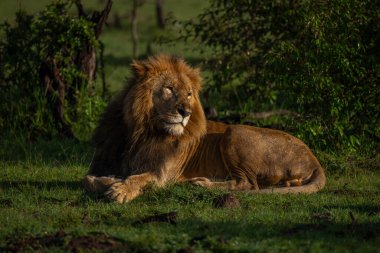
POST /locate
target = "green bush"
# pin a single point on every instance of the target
(317, 58)
(331, 70)
(54, 36)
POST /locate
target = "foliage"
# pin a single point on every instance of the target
(87, 112)
(332, 70)
(53, 35)
(318, 58)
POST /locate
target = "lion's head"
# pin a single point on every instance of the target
(163, 99)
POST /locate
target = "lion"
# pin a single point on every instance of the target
(155, 132)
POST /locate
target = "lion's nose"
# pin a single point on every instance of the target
(183, 112)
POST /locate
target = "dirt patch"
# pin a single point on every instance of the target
(226, 201)
(96, 241)
(170, 217)
(101, 242)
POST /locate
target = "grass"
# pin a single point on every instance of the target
(42, 198)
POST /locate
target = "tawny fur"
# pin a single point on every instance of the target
(155, 131)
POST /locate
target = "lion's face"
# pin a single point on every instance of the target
(164, 99)
(172, 103)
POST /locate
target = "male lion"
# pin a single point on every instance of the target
(155, 131)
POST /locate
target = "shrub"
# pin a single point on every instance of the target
(44, 84)
(318, 58)
(331, 70)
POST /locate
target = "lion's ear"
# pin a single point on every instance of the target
(196, 79)
(138, 68)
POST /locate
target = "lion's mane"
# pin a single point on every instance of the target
(126, 139)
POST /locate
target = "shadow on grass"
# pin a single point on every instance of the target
(324, 230)
(39, 185)
(221, 237)
(43, 193)
(48, 152)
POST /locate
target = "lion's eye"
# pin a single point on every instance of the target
(189, 95)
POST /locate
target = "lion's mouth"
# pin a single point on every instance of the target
(175, 123)
(176, 126)
(183, 122)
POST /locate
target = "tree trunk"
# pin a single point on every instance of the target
(87, 58)
(160, 14)
(57, 90)
(134, 28)
(102, 70)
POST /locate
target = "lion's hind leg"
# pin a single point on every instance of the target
(293, 182)
(98, 184)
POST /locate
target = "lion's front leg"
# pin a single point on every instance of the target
(130, 188)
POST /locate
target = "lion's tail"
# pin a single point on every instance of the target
(316, 183)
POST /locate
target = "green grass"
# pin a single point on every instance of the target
(41, 196)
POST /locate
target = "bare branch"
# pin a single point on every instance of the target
(100, 18)
(80, 8)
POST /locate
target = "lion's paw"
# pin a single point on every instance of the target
(123, 192)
